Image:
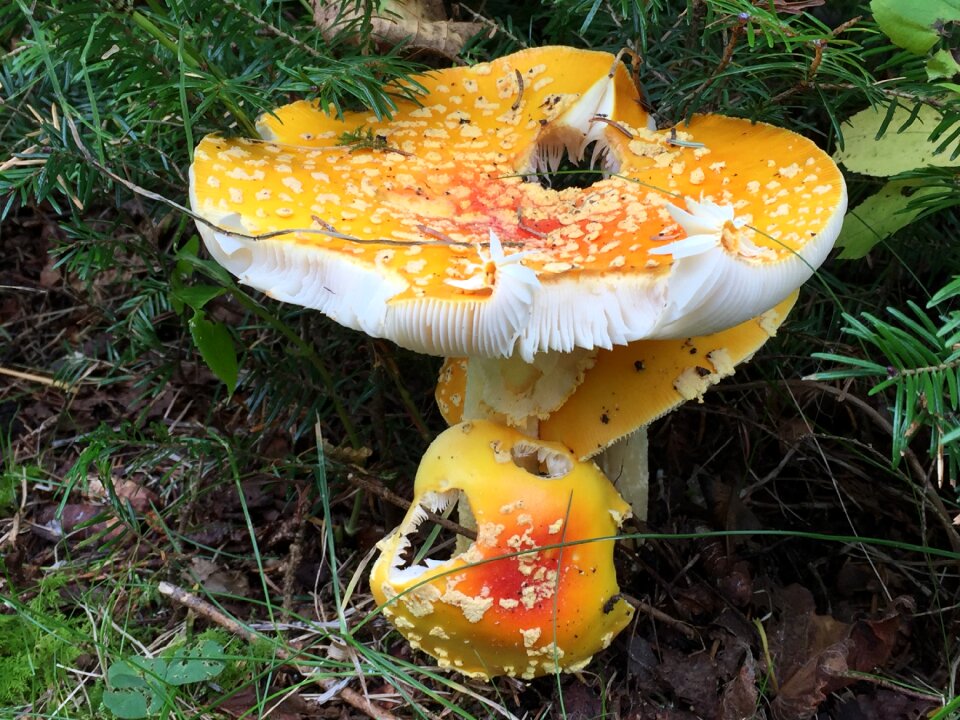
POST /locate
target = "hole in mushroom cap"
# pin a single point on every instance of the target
(425, 544)
(561, 161)
(540, 461)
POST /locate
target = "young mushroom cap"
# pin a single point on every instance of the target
(425, 228)
(535, 593)
(624, 388)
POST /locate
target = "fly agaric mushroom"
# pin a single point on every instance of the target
(426, 230)
(423, 229)
(537, 591)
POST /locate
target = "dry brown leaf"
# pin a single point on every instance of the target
(884, 705)
(50, 276)
(217, 580)
(692, 678)
(815, 654)
(419, 24)
(579, 703)
(140, 498)
(739, 699)
(247, 703)
(73, 522)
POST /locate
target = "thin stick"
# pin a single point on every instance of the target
(652, 612)
(370, 484)
(31, 377)
(206, 610)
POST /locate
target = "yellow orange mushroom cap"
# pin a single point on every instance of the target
(536, 592)
(626, 387)
(423, 228)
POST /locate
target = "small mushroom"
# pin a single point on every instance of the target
(622, 391)
(537, 591)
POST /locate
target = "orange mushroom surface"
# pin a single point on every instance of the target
(622, 389)
(427, 229)
(536, 592)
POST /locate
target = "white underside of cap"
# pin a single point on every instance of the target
(715, 290)
(702, 294)
(524, 315)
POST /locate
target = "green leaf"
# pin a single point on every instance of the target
(186, 254)
(877, 218)
(133, 692)
(139, 685)
(196, 296)
(216, 347)
(942, 65)
(913, 24)
(897, 150)
(196, 665)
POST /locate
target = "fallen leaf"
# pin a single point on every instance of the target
(248, 703)
(880, 216)
(417, 24)
(579, 703)
(740, 697)
(217, 580)
(140, 498)
(901, 148)
(641, 662)
(815, 655)
(76, 522)
(692, 678)
(50, 276)
(883, 704)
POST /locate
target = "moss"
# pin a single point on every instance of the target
(36, 643)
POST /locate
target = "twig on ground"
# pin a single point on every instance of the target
(652, 612)
(295, 555)
(209, 612)
(371, 484)
(32, 377)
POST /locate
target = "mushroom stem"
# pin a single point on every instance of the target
(514, 392)
(517, 393)
(626, 463)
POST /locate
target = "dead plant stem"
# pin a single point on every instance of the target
(209, 612)
(366, 482)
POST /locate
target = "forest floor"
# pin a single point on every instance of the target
(785, 570)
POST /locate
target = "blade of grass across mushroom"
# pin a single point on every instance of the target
(537, 591)
(625, 389)
(405, 215)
